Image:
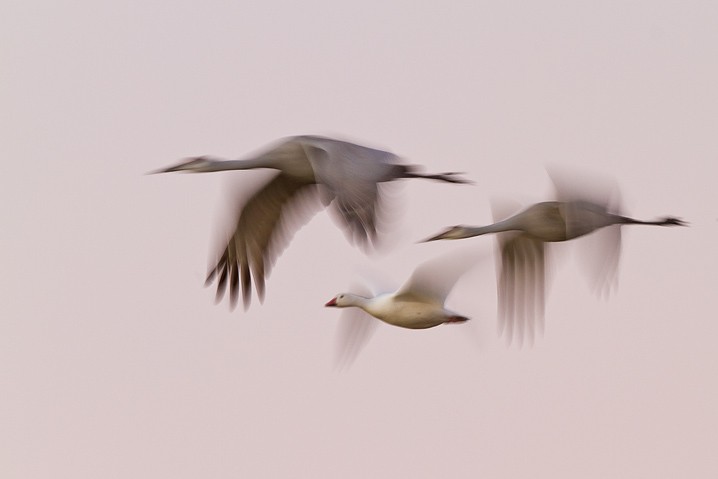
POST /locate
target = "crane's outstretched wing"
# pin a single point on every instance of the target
(520, 277)
(265, 227)
(589, 200)
(599, 255)
(349, 176)
(575, 185)
(521, 286)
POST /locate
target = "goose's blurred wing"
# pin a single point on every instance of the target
(354, 331)
(433, 280)
(265, 226)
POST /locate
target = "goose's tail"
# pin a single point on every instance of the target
(456, 319)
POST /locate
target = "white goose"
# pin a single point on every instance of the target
(343, 174)
(521, 272)
(418, 304)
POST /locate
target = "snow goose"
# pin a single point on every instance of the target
(418, 304)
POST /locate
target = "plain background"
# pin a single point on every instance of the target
(114, 361)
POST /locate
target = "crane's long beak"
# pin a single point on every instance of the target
(162, 170)
(192, 164)
(434, 238)
(331, 302)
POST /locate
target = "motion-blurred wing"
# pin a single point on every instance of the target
(599, 190)
(354, 331)
(349, 176)
(588, 200)
(521, 286)
(433, 280)
(265, 227)
(599, 255)
(521, 278)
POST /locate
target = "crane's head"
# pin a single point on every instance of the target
(199, 164)
(453, 232)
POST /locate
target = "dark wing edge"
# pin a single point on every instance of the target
(521, 287)
(265, 227)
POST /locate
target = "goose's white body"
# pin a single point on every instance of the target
(418, 304)
(400, 310)
(313, 172)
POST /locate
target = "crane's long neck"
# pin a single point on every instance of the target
(508, 224)
(248, 164)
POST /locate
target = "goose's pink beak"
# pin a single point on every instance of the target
(331, 302)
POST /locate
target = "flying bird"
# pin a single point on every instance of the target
(343, 175)
(418, 304)
(521, 268)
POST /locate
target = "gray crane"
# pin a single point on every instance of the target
(343, 175)
(521, 269)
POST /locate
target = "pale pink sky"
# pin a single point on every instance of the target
(114, 361)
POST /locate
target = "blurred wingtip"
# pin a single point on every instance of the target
(355, 329)
(579, 184)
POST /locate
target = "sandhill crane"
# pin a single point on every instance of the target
(341, 174)
(521, 271)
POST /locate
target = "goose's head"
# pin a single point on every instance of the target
(454, 232)
(342, 300)
(199, 164)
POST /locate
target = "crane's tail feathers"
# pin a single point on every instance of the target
(672, 221)
(449, 177)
